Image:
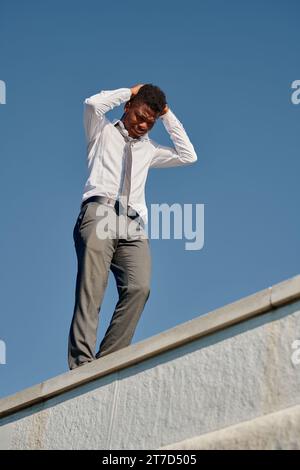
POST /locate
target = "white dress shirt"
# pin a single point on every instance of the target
(105, 150)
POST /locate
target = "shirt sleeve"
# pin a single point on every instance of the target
(183, 152)
(96, 106)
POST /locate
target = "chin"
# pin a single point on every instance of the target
(135, 135)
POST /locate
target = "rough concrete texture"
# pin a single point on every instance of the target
(219, 319)
(279, 294)
(276, 431)
(223, 379)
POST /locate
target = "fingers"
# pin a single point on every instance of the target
(135, 88)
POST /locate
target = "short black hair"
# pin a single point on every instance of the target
(152, 96)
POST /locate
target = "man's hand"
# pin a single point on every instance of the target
(135, 89)
(165, 110)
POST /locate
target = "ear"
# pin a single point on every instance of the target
(127, 106)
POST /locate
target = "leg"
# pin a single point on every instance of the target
(131, 266)
(94, 257)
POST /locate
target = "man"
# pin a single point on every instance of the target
(119, 154)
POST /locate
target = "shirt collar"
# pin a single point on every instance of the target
(143, 137)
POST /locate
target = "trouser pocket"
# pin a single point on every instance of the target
(79, 220)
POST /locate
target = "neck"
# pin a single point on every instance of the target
(123, 120)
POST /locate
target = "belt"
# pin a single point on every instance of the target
(115, 203)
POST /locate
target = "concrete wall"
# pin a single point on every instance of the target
(223, 380)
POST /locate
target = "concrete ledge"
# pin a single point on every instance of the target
(286, 291)
(234, 371)
(275, 431)
(219, 319)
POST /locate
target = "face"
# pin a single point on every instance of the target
(138, 119)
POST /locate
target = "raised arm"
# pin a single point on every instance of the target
(96, 106)
(183, 152)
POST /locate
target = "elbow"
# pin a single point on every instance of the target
(93, 100)
(89, 105)
(189, 158)
(88, 101)
(192, 154)
(194, 157)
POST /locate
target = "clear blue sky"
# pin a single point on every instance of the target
(226, 68)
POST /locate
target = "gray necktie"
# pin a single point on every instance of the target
(126, 186)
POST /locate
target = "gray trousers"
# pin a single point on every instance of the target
(129, 259)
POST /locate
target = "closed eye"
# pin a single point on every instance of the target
(142, 118)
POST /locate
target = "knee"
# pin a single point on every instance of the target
(140, 289)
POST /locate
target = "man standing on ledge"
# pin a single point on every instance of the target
(119, 154)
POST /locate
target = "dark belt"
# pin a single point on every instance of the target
(115, 203)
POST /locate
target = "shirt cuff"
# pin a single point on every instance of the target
(128, 93)
(167, 115)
